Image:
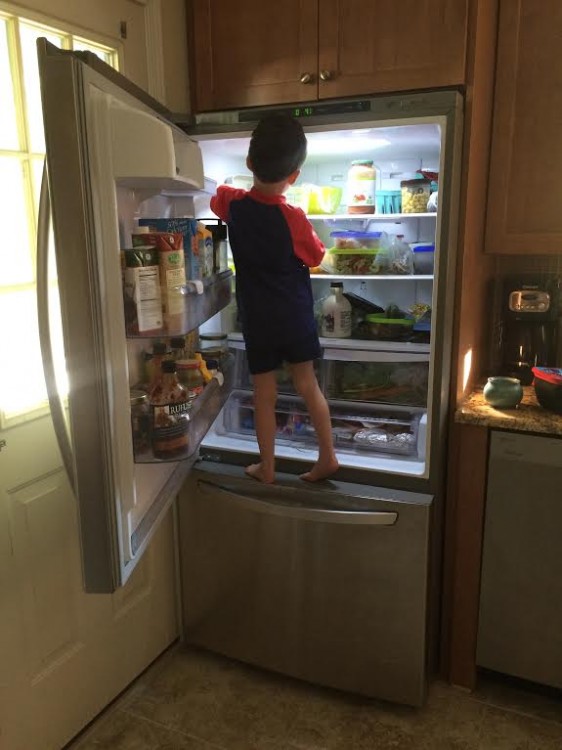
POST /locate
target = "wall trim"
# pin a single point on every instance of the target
(155, 49)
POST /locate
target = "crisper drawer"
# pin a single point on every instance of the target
(243, 379)
(356, 428)
(374, 376)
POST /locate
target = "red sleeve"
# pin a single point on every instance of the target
(306, 243)
(220, 203)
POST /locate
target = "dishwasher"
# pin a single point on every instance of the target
(520, 626)
(328, 583)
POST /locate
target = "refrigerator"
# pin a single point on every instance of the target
(335, 583)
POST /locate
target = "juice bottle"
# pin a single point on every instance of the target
(169, 407)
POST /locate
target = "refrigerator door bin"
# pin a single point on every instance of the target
(327, 585)
(203, 413)
(200, 301)
(356, 428)
(381, 377)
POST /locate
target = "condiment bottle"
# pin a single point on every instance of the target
(154, 364)
(336, 314)
(169, 406)
(191, 377)
(177, 348)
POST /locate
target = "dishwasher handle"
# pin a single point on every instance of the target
(348, 517)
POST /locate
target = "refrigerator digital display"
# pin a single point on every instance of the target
(307, 110)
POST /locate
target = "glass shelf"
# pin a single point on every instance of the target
(369, 217)
(371, 277)
(201, 300)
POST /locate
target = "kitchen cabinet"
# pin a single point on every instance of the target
(377, 46)
(524, 213)
(251, 53)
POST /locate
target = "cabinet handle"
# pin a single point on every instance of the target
(326, 75)
(306, 78)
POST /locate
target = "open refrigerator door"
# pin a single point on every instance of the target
(113, 159)
(387, 378)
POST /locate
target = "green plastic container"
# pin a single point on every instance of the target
(389, 329)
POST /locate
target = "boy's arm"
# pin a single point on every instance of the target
(306, 243)
(220, 202)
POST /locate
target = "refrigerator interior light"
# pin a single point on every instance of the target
(319, 145)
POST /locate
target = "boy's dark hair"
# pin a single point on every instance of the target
(277, 148)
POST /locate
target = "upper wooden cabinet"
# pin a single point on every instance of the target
(372, 46)
(254, 52)
(525, 183)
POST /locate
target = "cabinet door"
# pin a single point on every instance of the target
(524, 213)
(250, 53)
(366, 48)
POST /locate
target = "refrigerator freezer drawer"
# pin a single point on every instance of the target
(327, 586)
(359, 428)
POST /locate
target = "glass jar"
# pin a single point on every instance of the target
(140, 421)
(361, 187)
(415, 196)
(213, 346)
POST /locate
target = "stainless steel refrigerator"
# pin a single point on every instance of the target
(336, 582)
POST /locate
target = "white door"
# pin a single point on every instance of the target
(64, 654)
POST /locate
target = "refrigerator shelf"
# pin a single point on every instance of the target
(369, 217)
(202, 415)
(201, 300)
(371, 277)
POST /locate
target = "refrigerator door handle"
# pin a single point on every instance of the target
(55, 401)
(355, 518)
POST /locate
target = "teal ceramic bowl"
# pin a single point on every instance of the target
(503, 393)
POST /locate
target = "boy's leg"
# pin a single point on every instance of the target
(265, 396)
(306, 384)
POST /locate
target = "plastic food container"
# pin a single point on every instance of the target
(324, 200)
(389, 329)
(415, 196)
(347, 261)
(389, 201)
(424, 259)
(242, 181)
(299, 196)
(351, 240)
(548, 387)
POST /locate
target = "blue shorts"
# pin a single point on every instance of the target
(265, 359)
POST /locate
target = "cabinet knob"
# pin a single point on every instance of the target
(326, 75)
(306, 78)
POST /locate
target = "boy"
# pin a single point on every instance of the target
(274, 245)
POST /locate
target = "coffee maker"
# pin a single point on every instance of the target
(529, 326)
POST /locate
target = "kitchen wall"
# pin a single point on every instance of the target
(101, 15)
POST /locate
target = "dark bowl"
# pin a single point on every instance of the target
(549, 395)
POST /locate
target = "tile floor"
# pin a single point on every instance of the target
(193, 700)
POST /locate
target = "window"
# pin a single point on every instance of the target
(22, 153)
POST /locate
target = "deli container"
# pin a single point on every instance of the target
(415, 196)
(424, 259)
(548, 387)
(348, 239)
(389, 329)
(347, 261)
(324, 200)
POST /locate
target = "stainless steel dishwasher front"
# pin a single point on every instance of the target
(325, 584)
(520, 628)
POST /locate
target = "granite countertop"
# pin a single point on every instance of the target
(529, 416)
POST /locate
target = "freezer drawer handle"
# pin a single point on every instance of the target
(55, 401)
(353, 518)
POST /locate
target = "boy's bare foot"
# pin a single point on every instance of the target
(257, 471)
(321, 470)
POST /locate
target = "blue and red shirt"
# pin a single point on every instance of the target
(273, 245)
